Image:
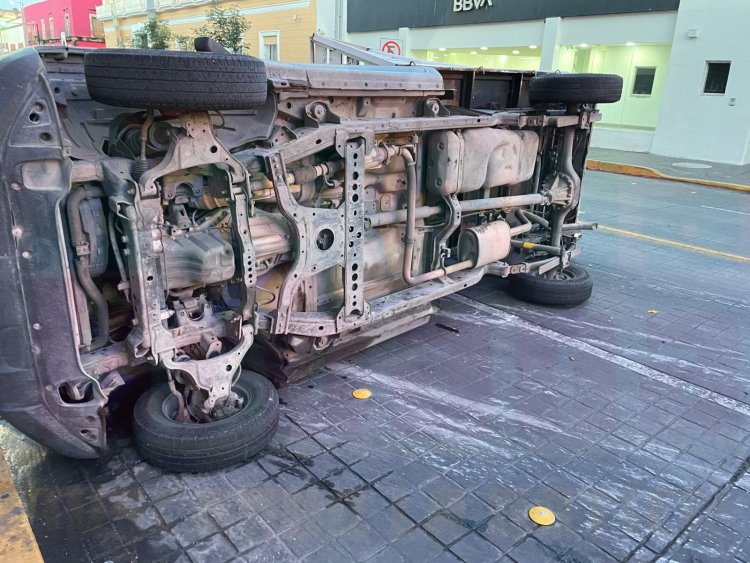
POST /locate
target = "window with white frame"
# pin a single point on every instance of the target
(51, 27)
(268, 42)
(68, 33)
(44, 29)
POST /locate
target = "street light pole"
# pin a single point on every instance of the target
(23, 23)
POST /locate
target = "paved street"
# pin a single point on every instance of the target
(628, 417)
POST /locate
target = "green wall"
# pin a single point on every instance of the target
(635, 111)
(510, 62)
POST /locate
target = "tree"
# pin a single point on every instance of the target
(153, 35)
(225, 25)
(183, 42)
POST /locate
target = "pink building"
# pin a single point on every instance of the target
(49, 21)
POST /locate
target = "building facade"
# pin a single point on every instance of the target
(684, 62)
(279, 30)
(11, 31)
(63, 22)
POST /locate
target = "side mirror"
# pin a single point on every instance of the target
(207, 45)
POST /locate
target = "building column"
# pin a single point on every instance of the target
(405, 38)
(550, 44)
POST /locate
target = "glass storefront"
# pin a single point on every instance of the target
(643, 69)
(511, 58)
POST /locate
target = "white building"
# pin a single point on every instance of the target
(11, 31)
(685, 63)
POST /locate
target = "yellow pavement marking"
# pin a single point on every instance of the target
(676, 244)
(646, 172)
(542, 516)
(17, 541)
(362, 393)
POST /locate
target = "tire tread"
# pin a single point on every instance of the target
(175, 80)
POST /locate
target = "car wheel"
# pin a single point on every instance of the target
(575, 88)
(143, 78)
(192, 446)
(570, 287)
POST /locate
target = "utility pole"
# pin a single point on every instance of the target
(23, 23)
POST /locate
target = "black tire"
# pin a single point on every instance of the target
(575, 88)
(142, 78)
(573, 289)
(192, 447)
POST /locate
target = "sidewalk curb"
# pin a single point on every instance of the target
(646, 172)
(17, 541)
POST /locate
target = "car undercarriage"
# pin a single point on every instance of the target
(194, 219)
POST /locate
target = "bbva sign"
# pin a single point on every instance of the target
(468, 5)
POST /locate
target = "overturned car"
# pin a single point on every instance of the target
(191, 221)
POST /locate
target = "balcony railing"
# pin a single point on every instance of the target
(120, 9)
(123, 8)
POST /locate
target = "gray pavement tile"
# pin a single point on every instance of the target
(362, 541)
(614, 541)
(102, 542)
(558, 537)
(229, 511)
(283, 515)
(501, 532)
(295, 479)
(470, 510)
(659, 540)
(194, 528)
(314, 499)
(495, 494)
(733, 510)
(214, 549)
(743, 551)
(249, 533)
(89, 516)
(373, 467)
(366, 502)
(329, 553)
(475, 549)
(393, 487)
(271, 552)
(344, 483)
(418, 506)
(446, 528)
(304, 539)
(531, 550)
(597, 502)
(176, 507)
(543, 495)
(154, 547)
(417, 546)
(390, 523)
(337, 519)
(324, 465)
(419, 472)
(163, 486)
(565, 484)
(712, 540)
(443, 490)
(245, 476)
(584, 551)
(387, 555)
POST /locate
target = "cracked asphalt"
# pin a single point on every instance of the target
(628, 417)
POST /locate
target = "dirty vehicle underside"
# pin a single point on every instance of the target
(292, 214)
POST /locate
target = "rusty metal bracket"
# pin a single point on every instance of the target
(354, 266)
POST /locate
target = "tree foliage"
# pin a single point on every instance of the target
(225, 25)
(183, 43)
(152, 35)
